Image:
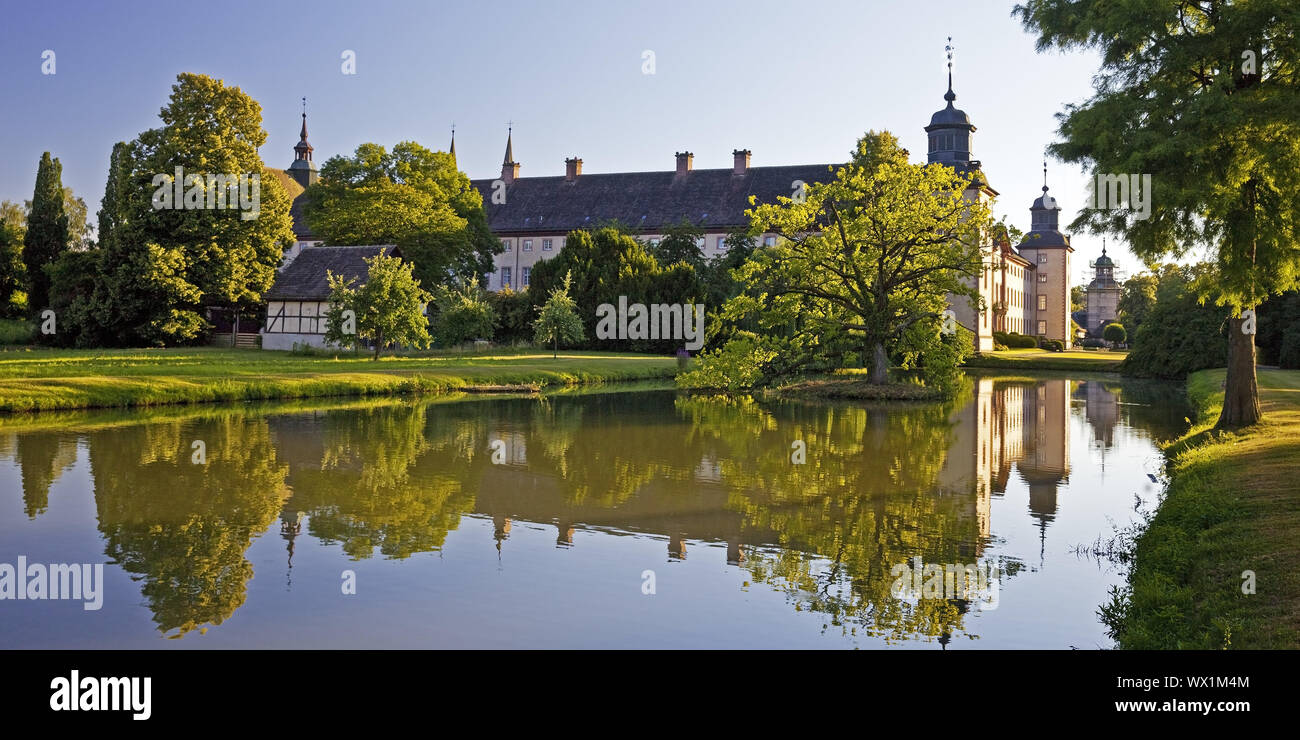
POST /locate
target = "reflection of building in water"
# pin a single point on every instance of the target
(515, 447)
(1101, 408)
(1010, 424)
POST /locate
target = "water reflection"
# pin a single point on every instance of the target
(712, 476)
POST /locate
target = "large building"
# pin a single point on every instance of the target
(1023, 288)
(1103, 295)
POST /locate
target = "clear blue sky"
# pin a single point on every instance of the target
(796, 82)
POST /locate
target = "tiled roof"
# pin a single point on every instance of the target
(305, 278)
(641, 201)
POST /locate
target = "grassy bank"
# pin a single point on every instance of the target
(43, 380)
(1039, 359)
(856, 389)
(1232, 505)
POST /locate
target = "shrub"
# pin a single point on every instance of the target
(1114, 333)
(1052, 345)
(515, 315)
(1014, 341)
(1093, 343)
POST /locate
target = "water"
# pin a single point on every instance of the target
(544, 522)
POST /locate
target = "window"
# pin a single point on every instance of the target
(1042, 277)
(546, 245)
(1042, 259)
(1042, 327)
(505, 277)
(528, 245)
(524, 278)
(1042, 303)
(769, 241)
(722, 243)
(506, 243)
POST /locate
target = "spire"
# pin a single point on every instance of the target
(453, 140)
(302, 136)
(302, 169)
(510, 152)
(1044, 175)
(509, 167)
(950, 95)
(1103, 246)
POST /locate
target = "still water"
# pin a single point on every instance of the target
(608, 519)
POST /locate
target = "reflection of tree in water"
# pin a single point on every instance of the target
(42, 457)
(865, 500)
(386, 482)
(183, 528)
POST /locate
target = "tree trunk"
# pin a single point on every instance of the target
(555, 348)
(879, 365)
(379, 342)
(234, 334)
(1240, 390)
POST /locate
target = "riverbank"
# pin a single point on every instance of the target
(46, 380)
(1232, 506)
(841, 388)
(1040, 359)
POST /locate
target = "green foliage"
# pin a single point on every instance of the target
(412, 197)
(515, 314)
(1078, 298)
(13, 273)
(16, 331)
(863, 268)
(387, 308)
(745, 361)
(558, 320)
(1278, 334)
(680, 243)
(461, 313)
(72, 288)
(1181, 334)
(47, 232)
(161, 267)
(1136, 299)
(609, 263)
(1013, 340)
(1114, 333)
(721, 285)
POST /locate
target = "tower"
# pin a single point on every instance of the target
(1048, 250)
(303, 170)
(950, 131)
(509, 167)
(1103, 294)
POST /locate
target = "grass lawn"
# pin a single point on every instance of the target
(43, 379)
(1041, 359)
(1233, 505)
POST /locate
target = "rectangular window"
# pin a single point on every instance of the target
(546, 245)
(1042, 327)
(528, 245)
(1042, 277)
(1042, 259)
(506, 243)
(722, 243)
(1042, 303)
(524, 277)
(505, 277)
(769, 241)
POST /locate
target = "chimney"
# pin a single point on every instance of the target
(684, 162)
(741, 161)
(572, 168)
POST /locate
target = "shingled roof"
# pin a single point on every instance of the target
(305, 279)
(643, 201)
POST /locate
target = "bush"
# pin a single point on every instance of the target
(1180, 335)
(1114, 333)
(1052, 345)
(1093, 343)
(515, 315)
(1013, 340)
(16, 331)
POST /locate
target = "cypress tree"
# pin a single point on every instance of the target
(47, 232)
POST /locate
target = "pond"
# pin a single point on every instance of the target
(607, 518)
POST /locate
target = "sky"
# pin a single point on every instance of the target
(793, 81)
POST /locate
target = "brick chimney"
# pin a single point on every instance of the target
(572, 168)
(741, 161)
(684, 162)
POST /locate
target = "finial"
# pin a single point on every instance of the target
(304, 106)
(1044, 175)
(950, 95)
(1103, 246)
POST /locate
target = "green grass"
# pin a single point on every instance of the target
(1232, 505)
(1041, 359)
(44, 379)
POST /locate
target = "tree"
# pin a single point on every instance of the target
(387, 309)
(162, 266)
(13, 274)
(412, 197)
(1172, 339)
(1078, 298)
(1136, 300)
(865, 265)
(680, 243)
(78, 230)
(1114, 333)
(557, 320)
(47, 232)
(461, 313)
(1201, 96)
